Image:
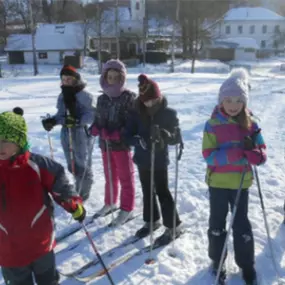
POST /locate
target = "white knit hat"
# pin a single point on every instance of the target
(237, 85)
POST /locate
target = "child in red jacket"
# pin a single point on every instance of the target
(28, 183)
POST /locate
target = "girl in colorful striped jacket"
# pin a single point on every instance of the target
(232, 142)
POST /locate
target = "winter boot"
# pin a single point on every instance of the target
(249, 276)
(223, 274)
(167, 237)
(122, 218)
(107, 209)
(145, 230)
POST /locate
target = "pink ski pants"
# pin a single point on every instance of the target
(122, 169)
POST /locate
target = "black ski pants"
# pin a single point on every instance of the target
(43, 271)
(164, 196)
(220, 199)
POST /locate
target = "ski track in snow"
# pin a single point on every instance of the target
(194, 97)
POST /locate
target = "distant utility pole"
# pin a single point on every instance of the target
(33, 32)
(117, 29)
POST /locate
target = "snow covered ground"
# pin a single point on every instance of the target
(194, 97)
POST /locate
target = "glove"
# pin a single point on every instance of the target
(141, 142)
(48, 124)
(79, 214)
(249, 141)
(70, 121)
(155, 135)
(165, 135)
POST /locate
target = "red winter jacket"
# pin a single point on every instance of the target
(26, 225)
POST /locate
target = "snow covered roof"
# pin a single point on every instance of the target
(238, 42)
(252, 14)
(49, 37)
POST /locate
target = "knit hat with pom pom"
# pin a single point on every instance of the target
(13, 127)
(237, 85)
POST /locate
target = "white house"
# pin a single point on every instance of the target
(258, 23)
(52, 41)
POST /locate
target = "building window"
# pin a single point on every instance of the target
(228, 30)
(43, 55)
(240, 29)
(137, 5)
(277, 29)
(263, 44)
(252, 29)
(264, 29)
(249, 50)
(275, 44)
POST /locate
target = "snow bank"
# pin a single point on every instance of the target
(91, 67)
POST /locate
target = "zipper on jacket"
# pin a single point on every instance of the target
(3, 196)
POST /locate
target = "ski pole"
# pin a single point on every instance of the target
(230, 227)
(50, 145)
(71, 154)
(89, 155)
(172, 254)
(266, 222)
(178, 155)
(97, 253)
(49, 138)
(150, 258)
(110, 174)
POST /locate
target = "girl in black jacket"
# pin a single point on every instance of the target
(152, 120)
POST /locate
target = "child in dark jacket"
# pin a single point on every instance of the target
(110, 119)
(29, 182)
(151, 120)
(232, 142)
(75, 111)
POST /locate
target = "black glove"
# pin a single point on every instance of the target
(141, 142)
(70, 121)
(155, 135)
(165, 135)
(249, 141)
(49, 123)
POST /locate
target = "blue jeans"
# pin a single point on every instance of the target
(220, 200)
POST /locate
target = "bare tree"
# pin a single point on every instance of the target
(67, 10)
(117, 28)
(4, 16)
(99, 34)
(174, 31)
(20, 10)
(33, 32)
(88, 15)
(145, 31)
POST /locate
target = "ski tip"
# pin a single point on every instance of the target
(149, 261)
